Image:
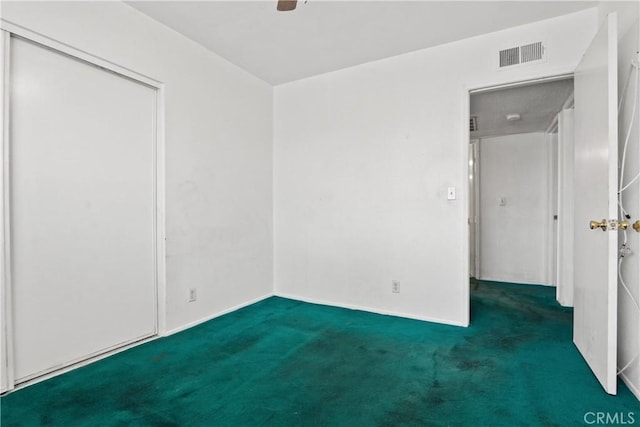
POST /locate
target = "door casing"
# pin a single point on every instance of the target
(466, 96)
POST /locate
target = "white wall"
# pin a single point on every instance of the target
(218, 151)
(628, 315)
(514, 237)
(363, 158)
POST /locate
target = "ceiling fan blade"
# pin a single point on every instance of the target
(285, 5)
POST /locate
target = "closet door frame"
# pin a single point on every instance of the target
(8, 31)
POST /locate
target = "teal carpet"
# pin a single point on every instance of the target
(286, 363)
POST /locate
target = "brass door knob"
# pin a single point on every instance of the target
(623, 225)
(636, 226)
(598, 224)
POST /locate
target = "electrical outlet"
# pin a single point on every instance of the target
(193, 295)
(395, 287)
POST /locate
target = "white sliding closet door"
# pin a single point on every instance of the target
(82, 209)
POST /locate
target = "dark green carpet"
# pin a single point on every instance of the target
(287, 363)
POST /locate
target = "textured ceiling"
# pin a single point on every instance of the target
(322, 36)
(537, 105)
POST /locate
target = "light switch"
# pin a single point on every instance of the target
(451, 193)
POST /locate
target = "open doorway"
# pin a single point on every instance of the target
(519, 141)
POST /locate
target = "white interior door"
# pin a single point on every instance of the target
(82, 209)
(553, 205)
(564, 291)
(596, 182)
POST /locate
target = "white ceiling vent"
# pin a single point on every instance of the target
(521, 54)
(473, 124)
(531, 52)
(509, 57)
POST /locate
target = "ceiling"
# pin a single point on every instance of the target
(322, 36)
(537, 105)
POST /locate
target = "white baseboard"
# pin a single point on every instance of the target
(635, 389)
(370, 309)
(510, 280)
(217, 314)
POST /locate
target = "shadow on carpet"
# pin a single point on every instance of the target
(287, 363)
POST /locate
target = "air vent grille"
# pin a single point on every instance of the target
(521, 54)
(473, 124)
(509, 57)
(531, 52)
